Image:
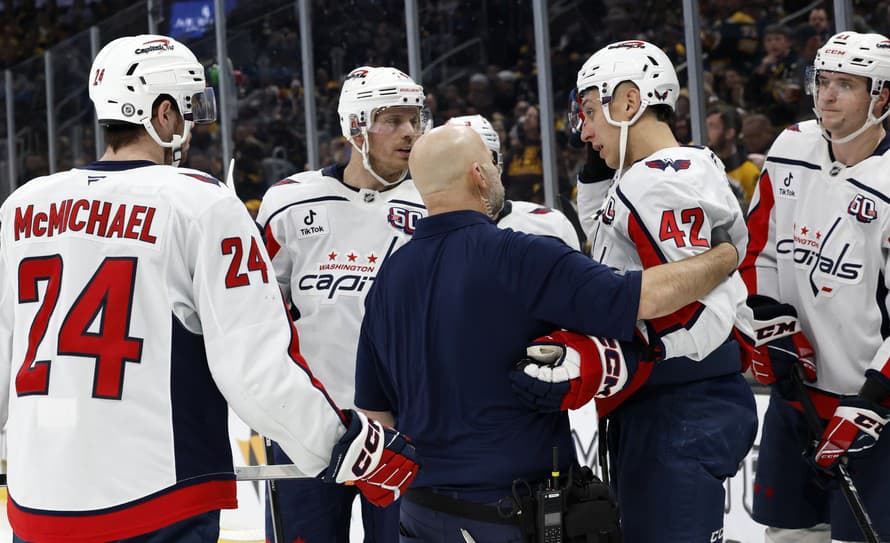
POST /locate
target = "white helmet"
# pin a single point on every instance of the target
(482, 127)
(639, 62)
(865, 55)
(366, 90)
(130, 73)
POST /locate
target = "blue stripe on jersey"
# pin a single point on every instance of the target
(407, 203)
(310, 200)
(654, 245)
(200, 415)
(881, 292)
(868, 189)
(793, 162)
(116, 165)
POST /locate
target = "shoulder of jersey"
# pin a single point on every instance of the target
(532, 208)
(685, 166)
(300, 186)
(804, 136)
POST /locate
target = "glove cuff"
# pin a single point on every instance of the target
(876, 388)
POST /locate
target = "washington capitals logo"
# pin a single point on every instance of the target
(540, 211)
(794, 128)
(677, 165)
(661, 95)
(883, 44)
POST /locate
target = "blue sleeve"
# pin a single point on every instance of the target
(370, 391)
(570, 290)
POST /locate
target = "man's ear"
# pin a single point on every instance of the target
(165, 115)
(478, 178)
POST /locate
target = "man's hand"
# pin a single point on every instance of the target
(857, 423)
(565, 370)
(775, 345)
(380, 461)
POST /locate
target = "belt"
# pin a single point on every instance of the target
(480, 512)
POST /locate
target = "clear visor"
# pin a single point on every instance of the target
(203, 107)
(576, 116)
(389, 120)
(810, 79)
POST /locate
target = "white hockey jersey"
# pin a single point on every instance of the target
(328, 240)
(662, 210)
(534, 218)
(137, 301)
(820, 240)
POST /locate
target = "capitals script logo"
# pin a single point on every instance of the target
(632, 44)
(832, 262)
(863, 208)
(677, 165)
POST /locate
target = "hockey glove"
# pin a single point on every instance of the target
(379, 460)
(776, 346)
(565, 370)
(857, 423)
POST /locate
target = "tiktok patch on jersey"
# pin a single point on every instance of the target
(93, 217)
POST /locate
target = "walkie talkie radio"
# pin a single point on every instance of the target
(550, 506)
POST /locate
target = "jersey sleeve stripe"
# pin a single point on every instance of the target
(758, 230)
(145, 515)
(647, 248)
(685, 317)
(272, 245)
(297, 357)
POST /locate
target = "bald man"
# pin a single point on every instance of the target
(451, 313)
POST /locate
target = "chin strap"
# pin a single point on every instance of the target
(869, 122)
(175, 142)
(366, 162)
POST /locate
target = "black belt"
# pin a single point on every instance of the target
(480, 512)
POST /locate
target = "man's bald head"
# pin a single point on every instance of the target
(445, 156)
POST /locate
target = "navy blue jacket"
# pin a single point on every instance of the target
(449, 315)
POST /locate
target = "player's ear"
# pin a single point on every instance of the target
(883, 102)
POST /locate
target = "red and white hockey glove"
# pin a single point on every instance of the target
(565, 370)
(857, 423)
(379, 460)
(776, 346)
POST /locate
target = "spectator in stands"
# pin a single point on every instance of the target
(778, 80)
(758, 134)
(724, 131)
(524, 175)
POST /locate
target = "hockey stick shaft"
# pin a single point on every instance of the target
(851, 494)
(274, 497)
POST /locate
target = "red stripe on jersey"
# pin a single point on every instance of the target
(125, 521)
(296, 356)
(758, 232)
(649, 253)
(825, 402)
(684, 317)
(272, 245)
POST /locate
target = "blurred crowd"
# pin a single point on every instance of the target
(479, 57)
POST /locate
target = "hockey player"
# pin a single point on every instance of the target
(447, 318)
(817, 270)
(669, 459)
(136, 301)
(328, 232)
(522, 216)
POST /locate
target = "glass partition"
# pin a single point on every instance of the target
(73, 110)
(29, 95)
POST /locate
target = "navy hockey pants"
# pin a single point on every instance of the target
(790, 493)
(319, 512)
(421, 524)
(671, 449)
